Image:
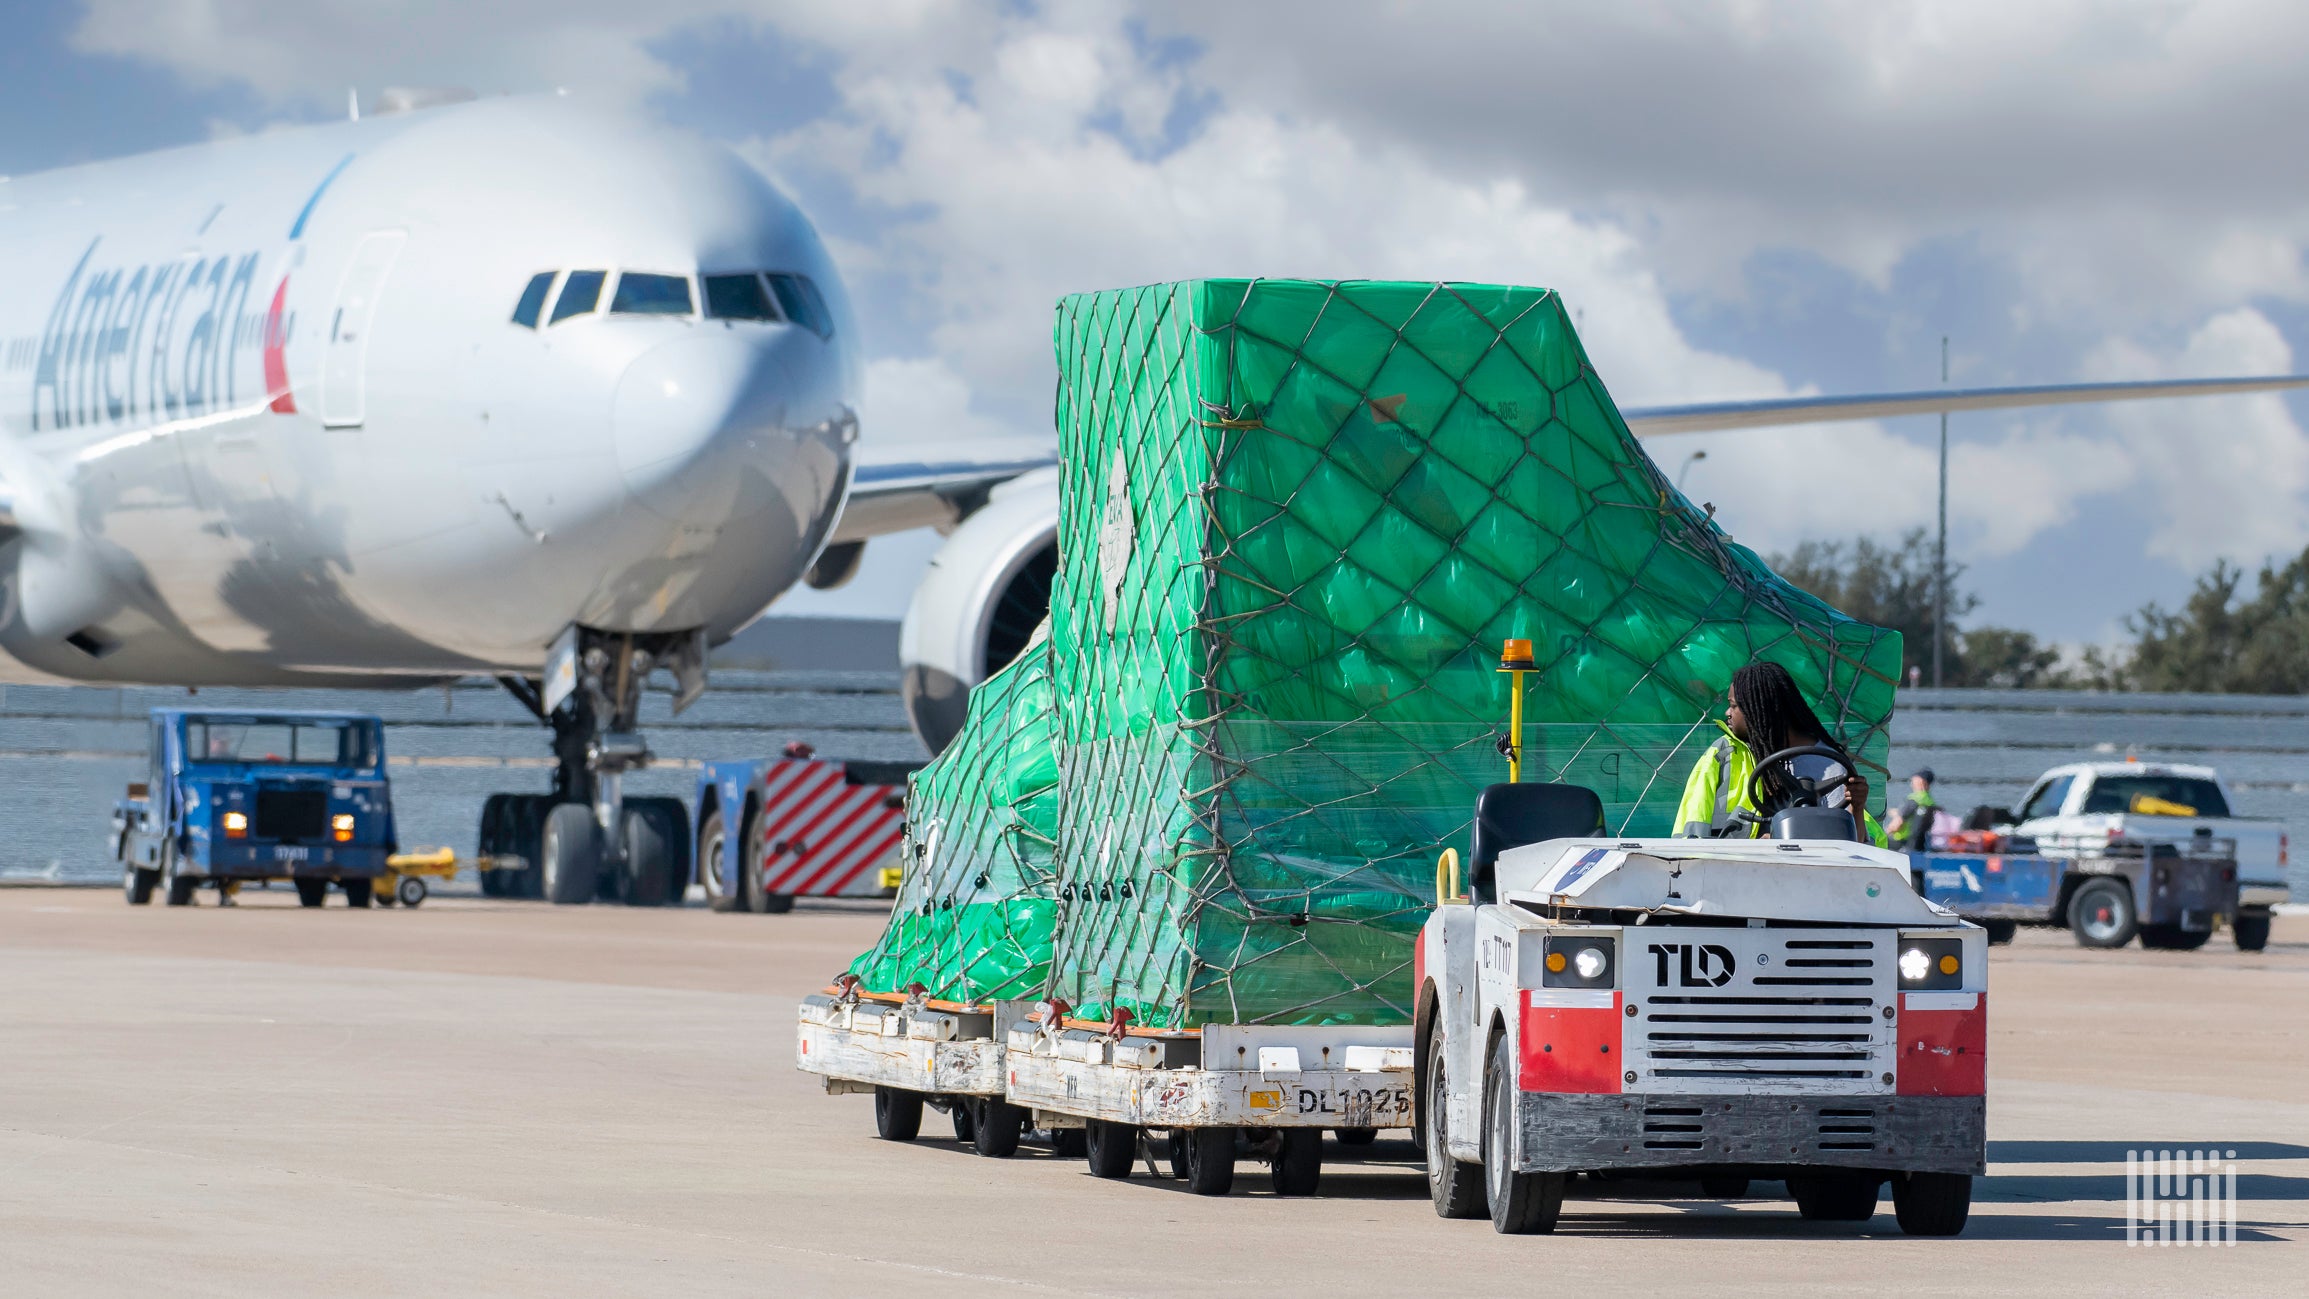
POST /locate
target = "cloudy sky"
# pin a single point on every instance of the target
(1739, 200)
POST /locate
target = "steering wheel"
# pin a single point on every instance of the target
(1808, 792)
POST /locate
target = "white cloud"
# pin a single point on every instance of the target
(2228, 475)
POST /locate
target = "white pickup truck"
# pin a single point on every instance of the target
(2086, 807)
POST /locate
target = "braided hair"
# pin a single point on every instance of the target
(1776, 714)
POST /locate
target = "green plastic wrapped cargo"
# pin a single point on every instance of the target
(1298, 520)
(975, 904)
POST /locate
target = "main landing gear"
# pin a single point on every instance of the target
(586, 840)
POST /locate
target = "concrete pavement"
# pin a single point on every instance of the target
(505, 1098)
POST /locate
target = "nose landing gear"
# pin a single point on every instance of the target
(586, 840)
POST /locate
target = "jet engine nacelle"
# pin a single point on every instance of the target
(977, 607)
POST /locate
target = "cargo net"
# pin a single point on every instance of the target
(1298, 520)
(976, 900)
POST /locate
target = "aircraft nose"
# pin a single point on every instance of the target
(691, 419)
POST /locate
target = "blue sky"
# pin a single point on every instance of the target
(1737, 200)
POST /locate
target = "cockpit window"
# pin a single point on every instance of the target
(738, 297)
(643, 294)
(532, 304)
(804, 305)
(580, 293)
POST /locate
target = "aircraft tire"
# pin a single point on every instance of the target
(648, 870)
(569, 855)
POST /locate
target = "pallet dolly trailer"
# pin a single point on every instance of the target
(1217, 1092)
(909, 1051)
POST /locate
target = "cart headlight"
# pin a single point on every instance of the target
(1927, 963)
(236, 825)
(341, 825)
(1579, 961)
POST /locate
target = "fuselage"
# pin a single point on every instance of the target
(269, 410)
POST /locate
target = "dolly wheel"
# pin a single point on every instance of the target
(897, 1114)
(1069, 1143)
(961, 1109)
(1298, 1163)
(410, 891)
(996, 1125)
(1111, 1148)
(1724, 1186)
(1209, 1156)
(1355, 1136)
(1932, 1204)
(2102, 915)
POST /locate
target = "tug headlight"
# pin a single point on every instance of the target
(341, 827)
(1579, 961)
(1927, 963)
(236, 825)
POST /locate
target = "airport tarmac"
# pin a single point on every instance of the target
(506, 1098)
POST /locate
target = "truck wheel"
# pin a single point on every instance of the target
(750, 856)
(713, 846)
(1836, 1197)
(138, 883)
(897, 1114)
(311, 893)
(2101, 914)
(1522, 1204)
(648, 868)
(1455, 1185)
(570, 855)
(1209, 1154)
(996, 1126)
(1297, 1168)
(2251, 930)
(410, 890)
(358, 893)
(1110, 1147)
(180, 885)
(1723, 1186)
(2000, 932)
(1355, 1136)
(2173, 938)
(1932, 1204)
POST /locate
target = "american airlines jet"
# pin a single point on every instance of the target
(509, 387)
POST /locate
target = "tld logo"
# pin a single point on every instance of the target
(1697, 965)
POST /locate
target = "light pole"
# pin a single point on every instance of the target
(1940, 548)
(1690, 460)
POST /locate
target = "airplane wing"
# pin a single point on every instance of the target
(899, 486)
(1706, 417)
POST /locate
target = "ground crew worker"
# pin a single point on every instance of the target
(1910, 824)
(1766, 714)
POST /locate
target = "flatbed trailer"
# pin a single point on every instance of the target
(1217, 1092)
(2171, 895)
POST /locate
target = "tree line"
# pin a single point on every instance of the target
(2223, 639)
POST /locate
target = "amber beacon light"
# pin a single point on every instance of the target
(1515, 660)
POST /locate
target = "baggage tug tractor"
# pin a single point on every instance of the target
(1714, 1009)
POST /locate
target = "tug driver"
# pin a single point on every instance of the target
(1767, 714)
